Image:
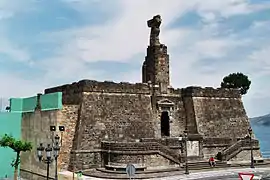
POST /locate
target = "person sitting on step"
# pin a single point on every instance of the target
(212, 161)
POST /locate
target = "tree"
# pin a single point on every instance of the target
(18, 146)
(238, 81)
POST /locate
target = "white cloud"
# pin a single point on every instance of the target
(16, 53)
(9, 8)
(260, 59)
(13, 85)
(67, 69)
(126, 34)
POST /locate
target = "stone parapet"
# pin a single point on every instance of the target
(217, 142)
(193, 91)
(106, 87)
(240, 145)
(81, 160)
(133, 146)
(141, 146)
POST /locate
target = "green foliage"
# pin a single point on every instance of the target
(237, 81)
(18, 146)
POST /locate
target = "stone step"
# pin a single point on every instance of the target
(206, 163)
(172, 169)
(158, 173)
(152, 174)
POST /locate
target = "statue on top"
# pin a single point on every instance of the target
(154, 24)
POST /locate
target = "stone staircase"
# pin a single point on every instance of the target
(169, 154)
(156, 173)
(144, 147)
(200, 165)
(236, 148)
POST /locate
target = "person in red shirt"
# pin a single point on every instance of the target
(212, 162)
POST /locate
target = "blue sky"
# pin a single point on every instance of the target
(44, 43)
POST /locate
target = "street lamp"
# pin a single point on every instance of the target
(40, 150)
(51, 151)
(48, 158)
(180, 149)
(186, 155)
(251, 148)
(56, 149)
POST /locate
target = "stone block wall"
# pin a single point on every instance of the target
(245, 155)
(151, 162)
(115, 116)
(220, 117)
(96, 86)
(190, 122)
(212, 151)
(211, 146)
(84, 159)
(126, 158)
(176, 113)
(97, 111)
(67, 117)
(218, 112)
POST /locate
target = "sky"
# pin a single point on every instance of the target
(46, 43)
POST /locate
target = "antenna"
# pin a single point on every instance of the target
(1, 105)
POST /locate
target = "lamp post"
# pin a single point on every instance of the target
(48, 158)
(180, 149)
(186, 155)
(55, 148)
(251, 148)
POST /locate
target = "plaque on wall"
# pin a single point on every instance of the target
(193, 148)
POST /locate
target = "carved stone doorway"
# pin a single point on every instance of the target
(165, 123)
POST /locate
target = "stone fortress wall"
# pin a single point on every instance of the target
(124, 112)
(117, 123)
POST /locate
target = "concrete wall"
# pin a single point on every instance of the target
(36, 129)
(48, 102)
(11, 125)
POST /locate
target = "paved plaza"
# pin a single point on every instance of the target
(228, 174)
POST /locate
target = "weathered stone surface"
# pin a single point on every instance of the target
(156, 161)
(114, 116)
(82, 160)
(220, 117)
(245, 155)
(68, 117)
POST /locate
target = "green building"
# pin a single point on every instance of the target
(11, 123)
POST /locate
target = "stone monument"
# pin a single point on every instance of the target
(112, 124)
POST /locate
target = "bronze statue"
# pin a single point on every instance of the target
(154, 24)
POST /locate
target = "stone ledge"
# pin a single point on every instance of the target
(96, 86)
(85, 151)
(215, 145)
(193, 91)
(33, 174)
